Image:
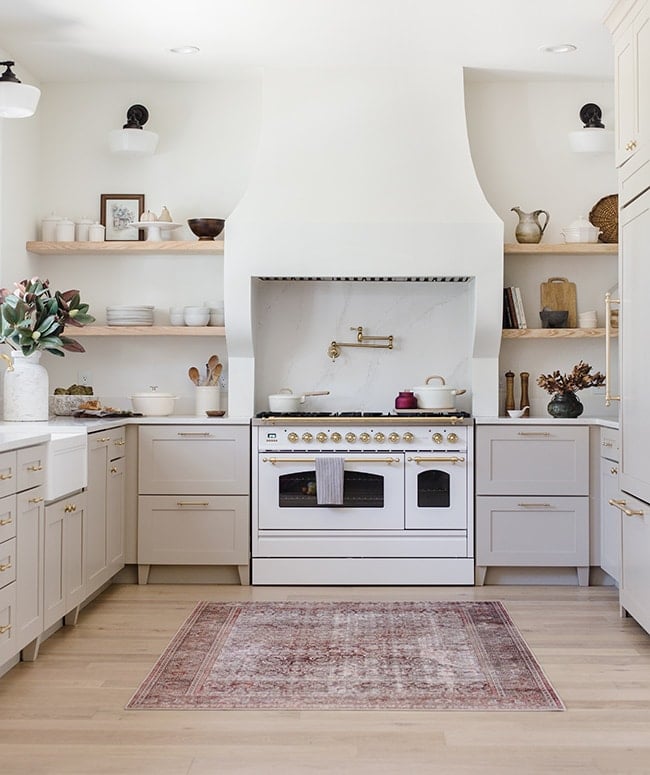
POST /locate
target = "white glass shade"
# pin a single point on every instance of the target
(18, 100)
(592, 140)
(132, 142)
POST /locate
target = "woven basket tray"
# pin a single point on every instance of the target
(604, 215)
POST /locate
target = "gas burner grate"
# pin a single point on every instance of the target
(264, 415)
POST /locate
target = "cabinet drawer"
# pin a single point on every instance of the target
(532, 532)
(7, 562)
(193, 531)
(31, 467)
(114, 440)
(7, 517)
(532, 459)
(194, 460)
(8, 643)
(8, 481)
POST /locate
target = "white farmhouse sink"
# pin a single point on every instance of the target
(67, 464)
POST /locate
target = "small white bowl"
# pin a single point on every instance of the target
(518, 412)
(196, 316)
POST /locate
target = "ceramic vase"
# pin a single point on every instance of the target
(565, 405)
(26, 388)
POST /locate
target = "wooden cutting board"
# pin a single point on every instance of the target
(559, 293)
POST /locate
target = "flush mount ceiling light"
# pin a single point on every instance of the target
(559, 48)
(132, 139)
(185, 50)
(593, 137)
(17, 100)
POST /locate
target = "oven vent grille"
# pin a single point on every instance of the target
(458, 279)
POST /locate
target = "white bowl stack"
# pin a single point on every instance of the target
(135, 315)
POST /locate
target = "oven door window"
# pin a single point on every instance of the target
(433, 490)
(361, 490)
(436, 493)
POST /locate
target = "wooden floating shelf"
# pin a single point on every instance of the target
(554, 333)
(145, 331)
(131, 246)
(564, 248)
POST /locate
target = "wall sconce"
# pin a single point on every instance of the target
(132, 139)
(17, 100)
(593, 137)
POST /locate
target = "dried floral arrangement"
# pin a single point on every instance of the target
(578, 379)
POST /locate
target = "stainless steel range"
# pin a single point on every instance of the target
(404, 514)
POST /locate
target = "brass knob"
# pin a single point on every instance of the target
(437, 438)
(307, 437)
(452, 438)
(321, 437)
(292, 437)
(350, 437)
(336, 437)
(364, 437)
(379, 437)
(393, 437)
(408, 436)
(613, 470)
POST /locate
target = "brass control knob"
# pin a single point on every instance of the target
(393, 438)
(350, 437)
(452, 438)
(364, 437)
(292, 437)
(321, 437)
(336, 437)
(408, 437)
(307, 437)
(379, 437)
(437, 438)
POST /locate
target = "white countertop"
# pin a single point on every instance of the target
(602, 422)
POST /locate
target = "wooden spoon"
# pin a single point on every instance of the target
(215, 373)
(193, 374)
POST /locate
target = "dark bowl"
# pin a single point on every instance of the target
(554, 318)
(206, 228)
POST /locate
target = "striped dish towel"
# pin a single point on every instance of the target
(329, 479)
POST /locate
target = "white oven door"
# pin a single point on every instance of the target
(436, 491)
(373, 493)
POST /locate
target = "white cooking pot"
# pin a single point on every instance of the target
(153, 403)
(436, 396)
(285, 402)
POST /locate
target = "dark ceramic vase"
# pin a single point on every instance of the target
(565, 405)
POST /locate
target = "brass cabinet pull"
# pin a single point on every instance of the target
(113, 470)
(533, 433)
(120, 443)
(3, 477)
(5, 566)
(450, 459)
(631, 145)
(192, 503)
(35, 500)
(194, 433)
(613, 470)
(7, 521)
(622, 505)
(104, 438)
(608, 346)
(34, 468)
(70, 508)
(535, 505)
(5, 628)
(274, 460)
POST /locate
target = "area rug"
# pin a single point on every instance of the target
(347, 656)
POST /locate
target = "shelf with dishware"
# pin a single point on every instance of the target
(554, 333)
(150, 331)
(153, 247)
(564, 248)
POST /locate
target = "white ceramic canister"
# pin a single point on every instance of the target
(81, 229)
(96, 232)
(48, 227)
(26, 388)
(65, 230)
(207, 399)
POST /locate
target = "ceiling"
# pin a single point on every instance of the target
(126, 40)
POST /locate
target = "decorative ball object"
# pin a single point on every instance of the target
(206, 228)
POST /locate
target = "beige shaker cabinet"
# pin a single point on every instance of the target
(106, 506)
(532, 504)
(610, 516)
(193, 497)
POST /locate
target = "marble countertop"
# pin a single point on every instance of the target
(602, 422)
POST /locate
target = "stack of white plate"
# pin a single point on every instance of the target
(136, 315)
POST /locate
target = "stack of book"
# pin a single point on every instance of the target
(513, 309)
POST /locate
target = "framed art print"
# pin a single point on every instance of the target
(118, 212)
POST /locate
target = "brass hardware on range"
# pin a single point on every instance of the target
(450, 459)
(36, 500)
(5, 566)
(534, 505)
(350, 437)
(379, 437)
(275, 460)
(293, 437)
(5, 628)
(321, 437)
(533, 433)
(608, 346)
(113, 470)
(363, 340)
(393, 438)
(3, 477)
(408, 437)
(7, 521)
(364, 437)
(336, 437)
(307, 437)
(622, 505)
(452, 438)
(194, 433)
(34, 468)
(437, 438)
(192, 503)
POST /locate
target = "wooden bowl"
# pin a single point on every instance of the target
(206, 228)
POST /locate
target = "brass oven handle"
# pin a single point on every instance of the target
(274, 460)
(192, 503)
(622, 505)
(451, 459)
(608, 346)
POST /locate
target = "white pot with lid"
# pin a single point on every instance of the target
(580, 230)
(153, 403)
(285, 402)
(440, 397)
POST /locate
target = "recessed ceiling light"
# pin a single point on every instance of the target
(185, 50)
(559, 48)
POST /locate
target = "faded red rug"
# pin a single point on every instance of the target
(347, 656)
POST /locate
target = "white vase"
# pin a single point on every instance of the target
(207, 398)
(26, 388)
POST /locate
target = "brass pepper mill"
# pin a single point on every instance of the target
(510, 390)
(524, 402)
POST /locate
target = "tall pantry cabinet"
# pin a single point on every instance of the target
(629, 22)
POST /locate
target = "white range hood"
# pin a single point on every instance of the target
(364, 173)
